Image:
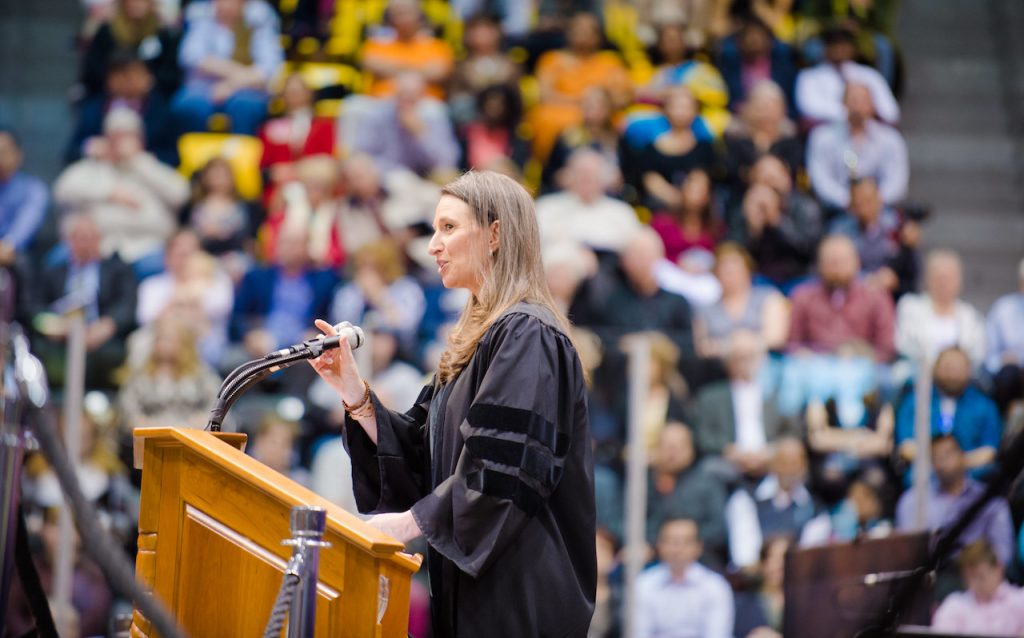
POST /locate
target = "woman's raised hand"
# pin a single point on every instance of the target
(338, 367)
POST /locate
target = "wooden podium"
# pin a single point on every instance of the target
(210, 529)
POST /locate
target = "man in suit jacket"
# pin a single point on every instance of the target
(736, 422)
(107, 287)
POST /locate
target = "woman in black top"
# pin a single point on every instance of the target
(664, 164)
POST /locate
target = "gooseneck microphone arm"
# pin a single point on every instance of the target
(252, 372)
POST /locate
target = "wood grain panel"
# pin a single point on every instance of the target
(210, 531)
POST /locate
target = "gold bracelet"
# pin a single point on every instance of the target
(364, 412)
(351, 409)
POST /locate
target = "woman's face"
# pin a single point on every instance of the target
(672, 44)
(166, 344)
(459, 245)
(296, 94)
(732, 273)
(597, 110)
(483, 38)
(765, 107)
(584, 34)
(680, 108)
(219, 179)
(696, 191)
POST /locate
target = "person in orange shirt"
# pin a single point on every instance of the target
(565, 75)
(407, 48)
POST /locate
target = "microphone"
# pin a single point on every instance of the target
(313, 348)
(877, 578)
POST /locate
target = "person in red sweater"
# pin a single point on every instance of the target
(297, 134)
(841, 336)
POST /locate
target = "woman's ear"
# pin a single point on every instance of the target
(493, 234)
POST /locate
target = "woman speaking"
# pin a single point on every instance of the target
(492, 465)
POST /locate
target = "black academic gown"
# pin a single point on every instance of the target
(496, 467)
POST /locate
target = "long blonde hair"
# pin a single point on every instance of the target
(516, 273)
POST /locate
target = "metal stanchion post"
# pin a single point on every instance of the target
(307, 524)
(639, 354)
(74, 385)
(922, 468)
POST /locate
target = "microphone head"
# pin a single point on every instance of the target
(352, 333)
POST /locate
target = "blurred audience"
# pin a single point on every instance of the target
(841, 330)
(275, 305)
(780, 504)
(273, 444)
(406, 48)
(743, 306)
(958, 408)
(950, 493)
(376, 206)
(820, 88)
(296, 134)
(663, 165)
(132, 196)
(407, 130)
(680, 488)
(170, 386)
(192, 288)
(583, 212)
(778, 224)
(759, 611)
(736, 420)
(224, 222)
(859, 515)
(691, 223)
(937, 318)
(761, 128)
(856, 147)
(135, 29)
(607, 619)
(91, 597)
(492, 140)
(1005, 347)
(311, 202)
(24, 200)
(887, 259)
(596, 131)
(990, 606)
(103, 287)
(484, 66)
(679, 596)
(380, 294)
(752, 56)
(129, 84)
(629, 298)
(564, 76)
(676, 65)
(230, 52)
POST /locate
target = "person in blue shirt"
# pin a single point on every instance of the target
(23, 199)
(959, 409)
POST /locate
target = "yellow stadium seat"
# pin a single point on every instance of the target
(242, 152)
(319, 75)
(328, 108)
(529, 91)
